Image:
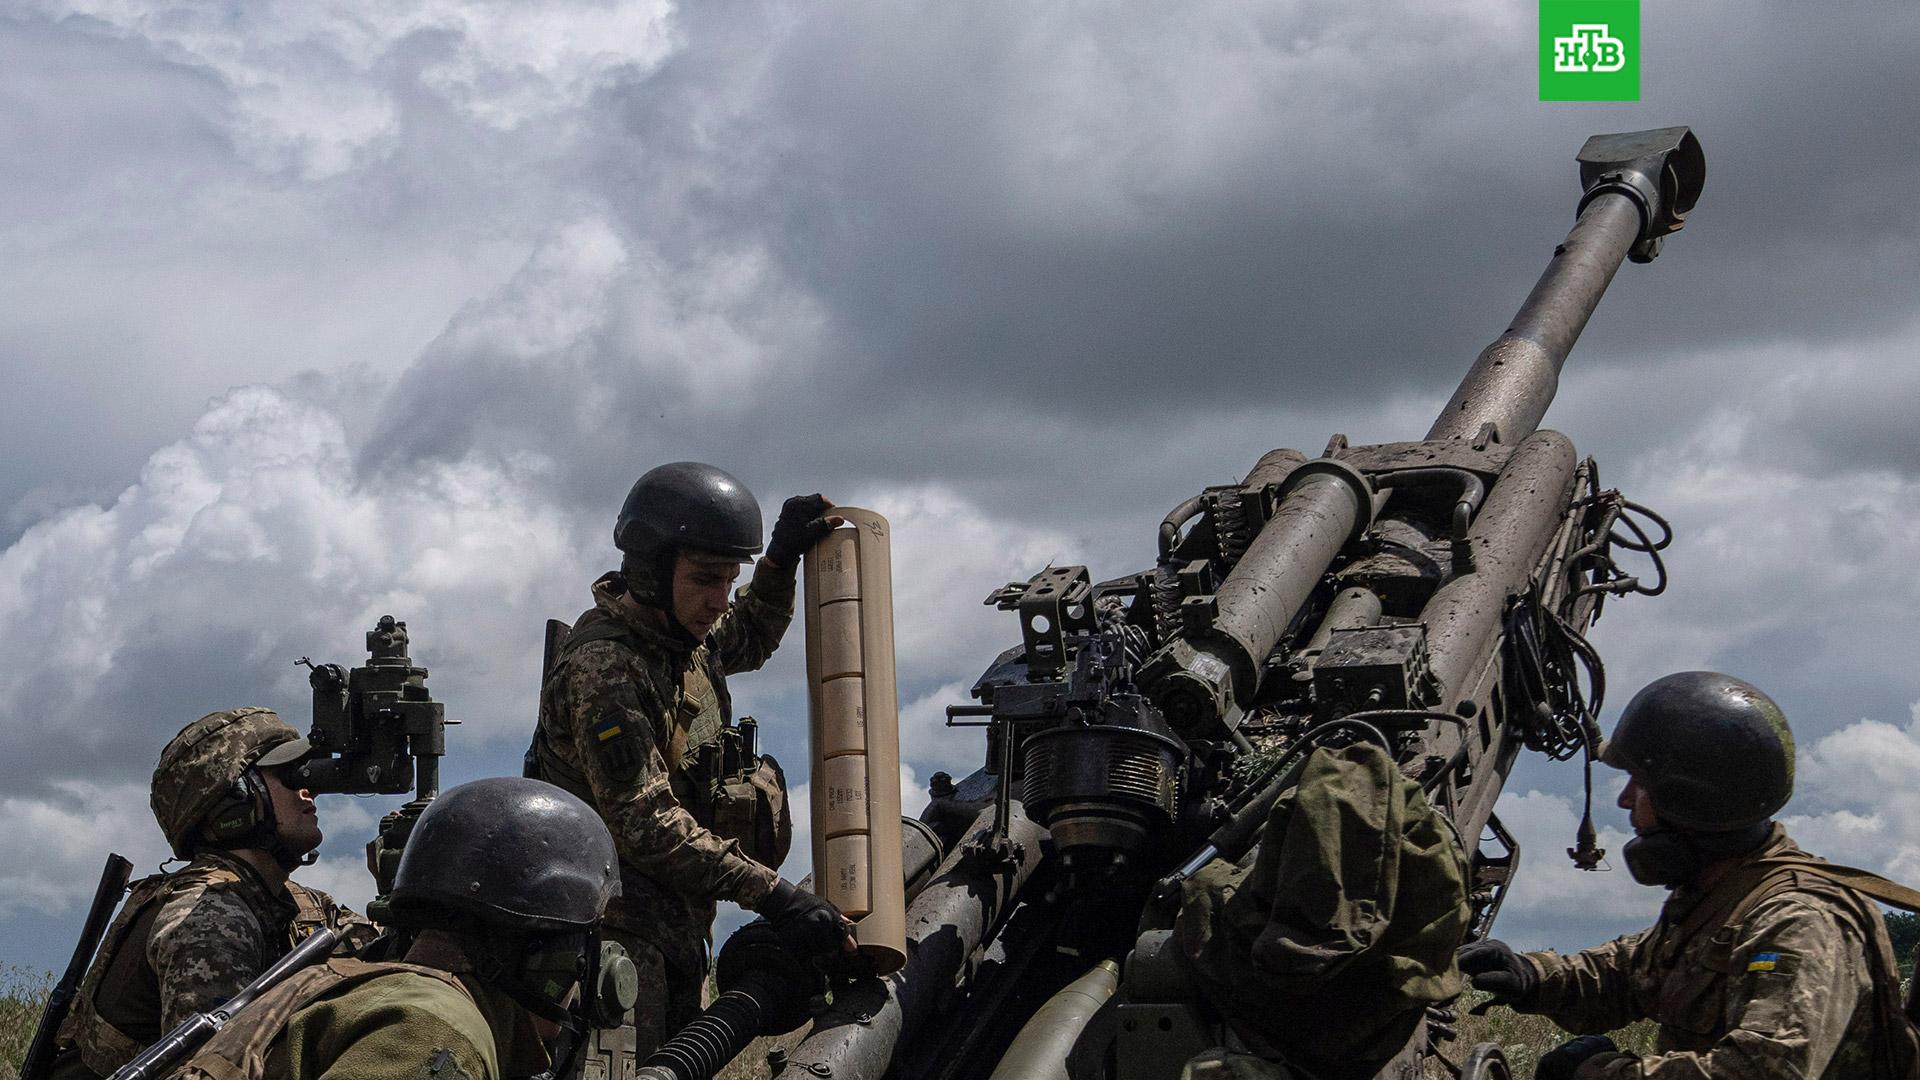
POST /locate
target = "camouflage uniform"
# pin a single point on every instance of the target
(1769, 972)
(184, 943)
(620, 720)
(350, 1019)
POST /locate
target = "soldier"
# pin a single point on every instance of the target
(501, 885)
(1766, 961)
(187, 941)
(634, 710)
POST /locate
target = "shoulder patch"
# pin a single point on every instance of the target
(1764, 961)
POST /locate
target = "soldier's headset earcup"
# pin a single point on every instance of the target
(240, 816)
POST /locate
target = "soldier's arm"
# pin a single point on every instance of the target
(1798, 976)
(1587, 993)
(612, 728)
(752, 628)
(205, 947)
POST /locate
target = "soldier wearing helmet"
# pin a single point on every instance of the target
(498, 895)
(634, 712)
(184, 942)
(1766, 961)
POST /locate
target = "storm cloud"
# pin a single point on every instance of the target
(311, 313)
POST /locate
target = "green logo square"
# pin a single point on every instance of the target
(1589, 50)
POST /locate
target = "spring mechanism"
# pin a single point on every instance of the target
(1230, 529)
(1166, 605)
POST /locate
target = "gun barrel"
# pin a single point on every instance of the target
(960, 909)
(1638, 187)
(106, 895)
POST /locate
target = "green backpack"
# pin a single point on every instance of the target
(1347, 912)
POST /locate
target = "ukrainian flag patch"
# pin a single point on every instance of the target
(606, 729)
(1764, 961)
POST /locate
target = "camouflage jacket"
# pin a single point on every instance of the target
(368, 1021)
(1765, 973)
(619, 718)
(183, 943)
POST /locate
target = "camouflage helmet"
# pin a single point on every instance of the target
(1714, 753)
(200, 765)
(510, 853)
(689, 505)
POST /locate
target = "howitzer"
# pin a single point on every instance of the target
(1427, 598)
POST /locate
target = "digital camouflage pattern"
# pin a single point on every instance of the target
(185, 943)
(347, 1018)
(620, 719)
(198, 767)
(1758, 976)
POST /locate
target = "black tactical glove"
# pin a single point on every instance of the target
(806, 925)
(803, 523)
(1561, 1062)
(1494, 967)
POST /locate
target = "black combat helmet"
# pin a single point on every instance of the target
(509, 852)
(1714, 753)
(689, 505)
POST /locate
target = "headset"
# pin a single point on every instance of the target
(244, 818)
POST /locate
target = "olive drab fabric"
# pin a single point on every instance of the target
(198, 767)
(1350, 906)
(184, 943)
(751, 807)
(1774, 970)
(626, 716)
(352, 1019)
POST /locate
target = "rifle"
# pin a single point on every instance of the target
(113, 882)
(162, 1057)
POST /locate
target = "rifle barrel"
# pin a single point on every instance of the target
(106, 896)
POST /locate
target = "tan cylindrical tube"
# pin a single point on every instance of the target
(844, 704)
(855, 733)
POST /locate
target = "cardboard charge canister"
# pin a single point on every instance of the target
(854, 733)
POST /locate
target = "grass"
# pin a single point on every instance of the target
(1525, 1038)
(23, 992)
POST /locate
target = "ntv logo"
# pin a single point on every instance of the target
(1589, 50)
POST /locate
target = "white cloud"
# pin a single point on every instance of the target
(925, 737)
(1550, 892)
(319, 85)
(52, 846)
(1855, 801)
(344, 877)
(948, 554)
(253, 539)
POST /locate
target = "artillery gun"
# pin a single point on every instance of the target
(1428, 597)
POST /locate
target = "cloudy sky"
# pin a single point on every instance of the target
(313, 311)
